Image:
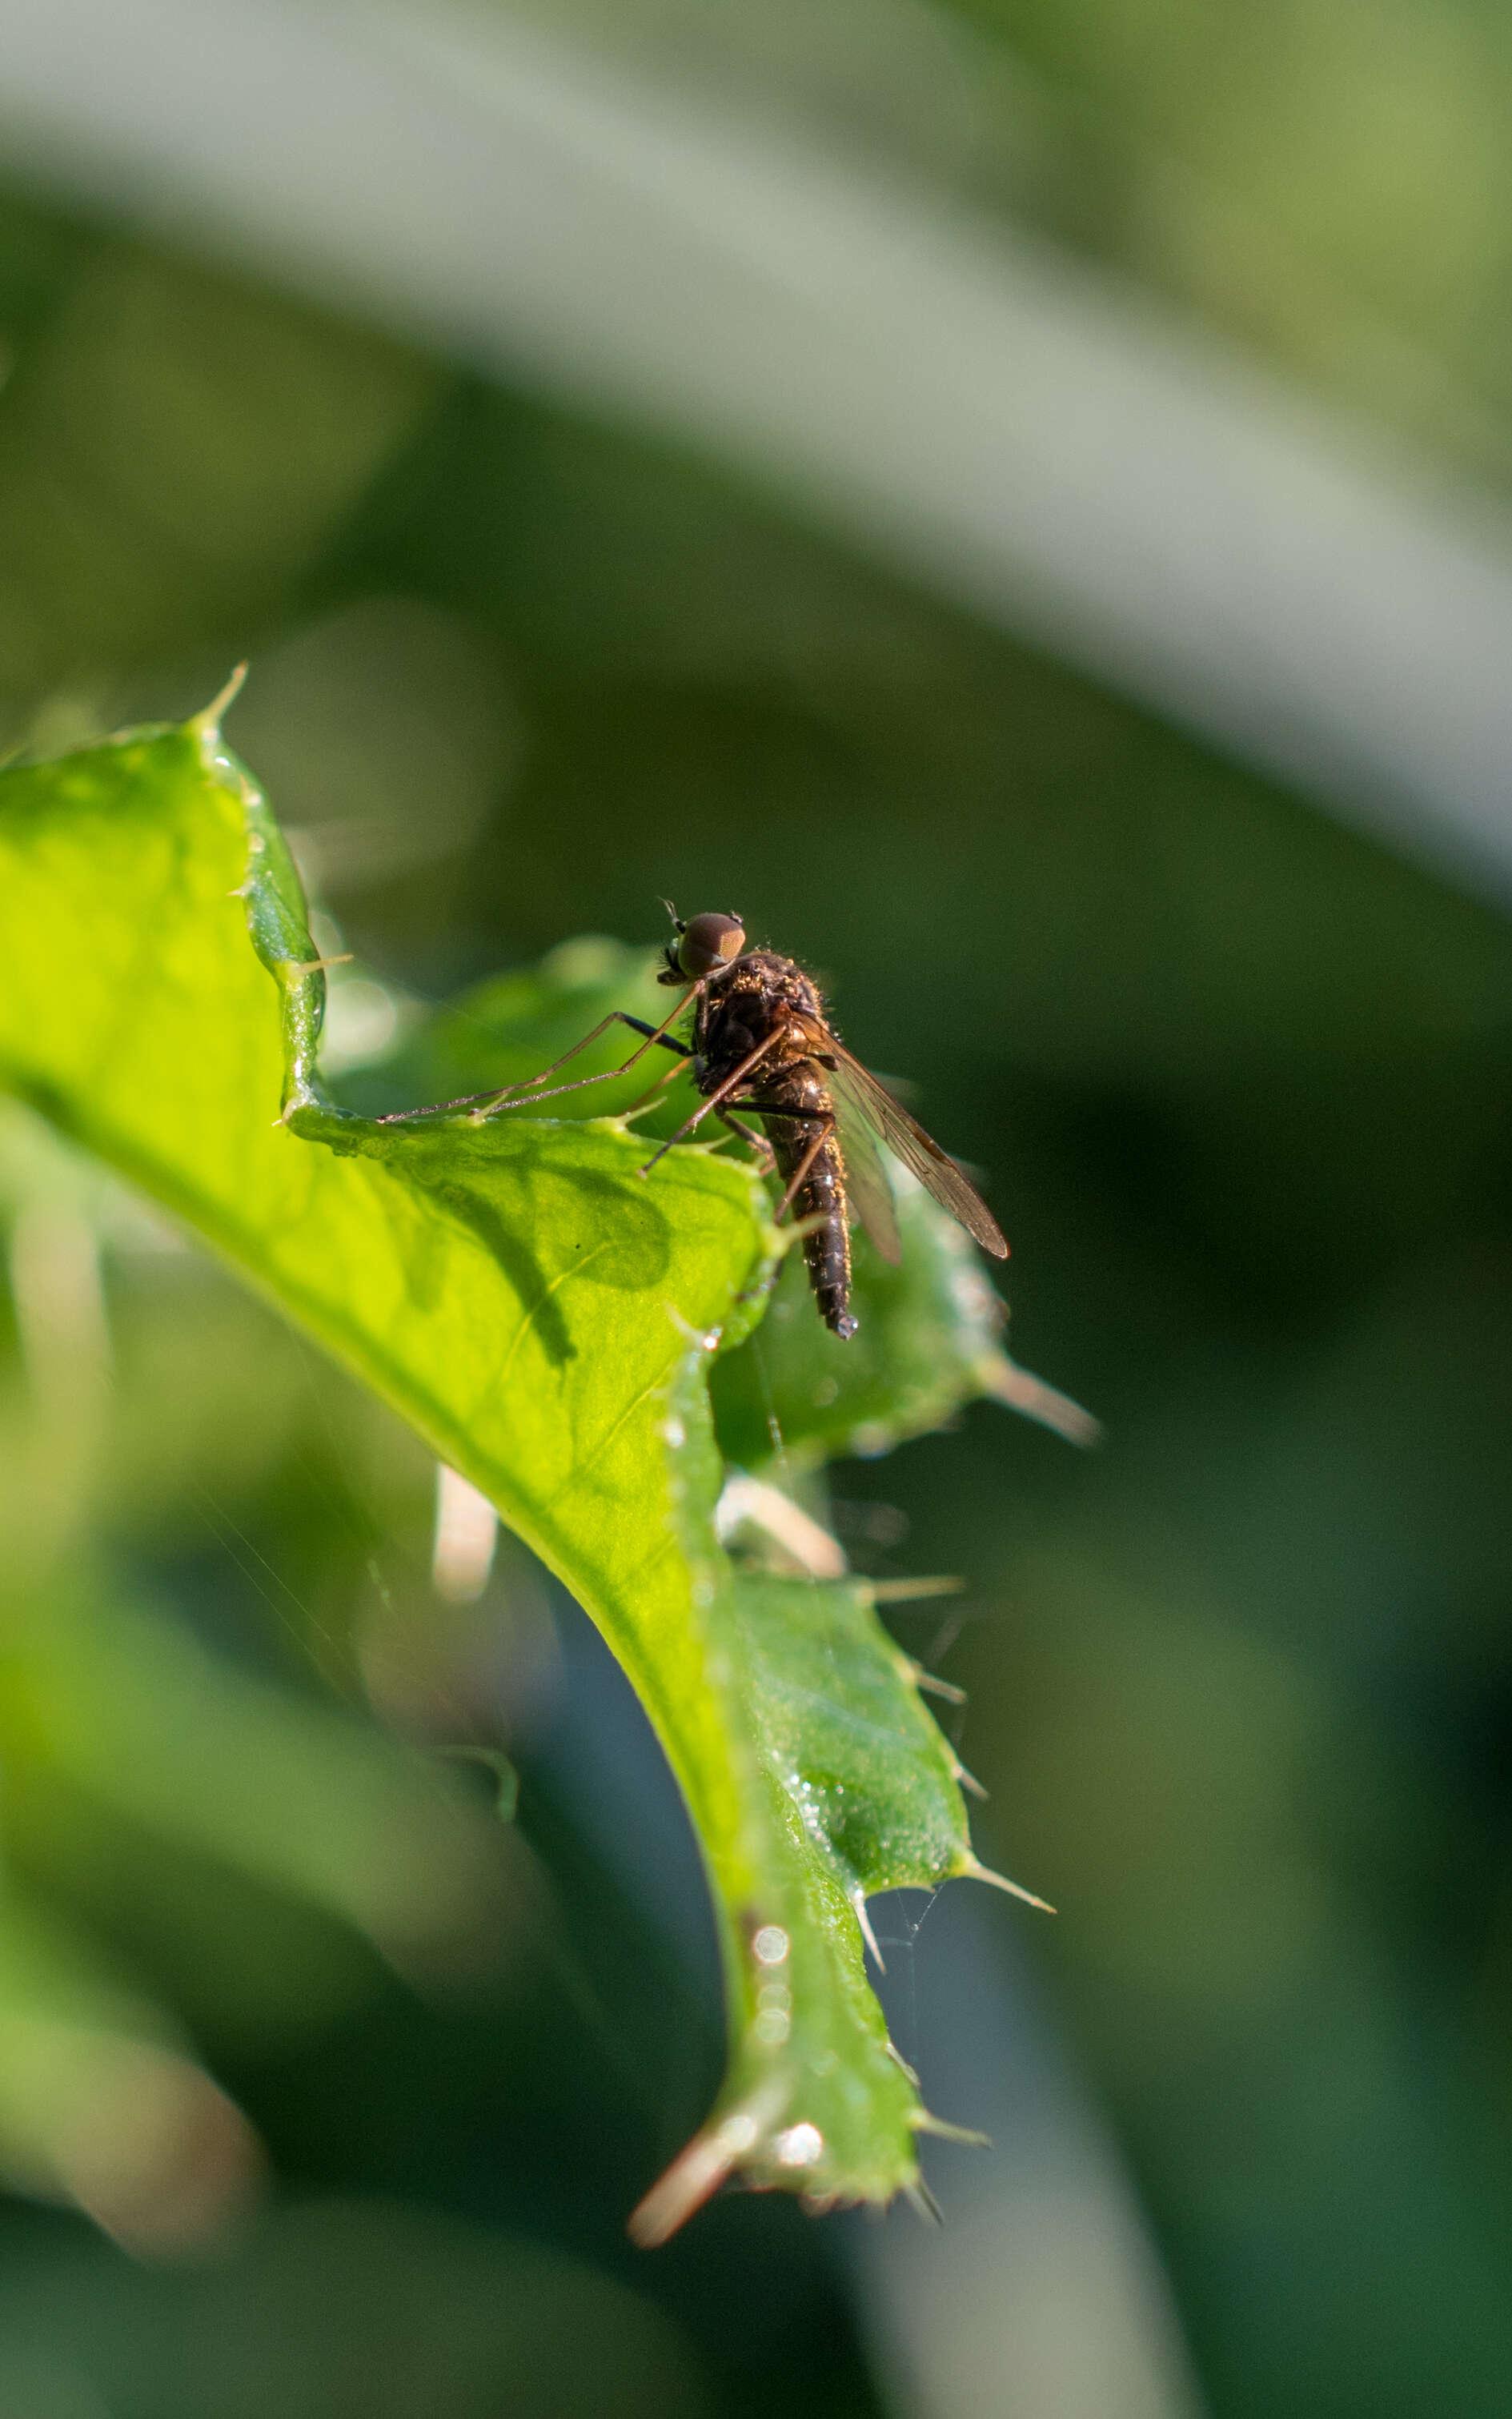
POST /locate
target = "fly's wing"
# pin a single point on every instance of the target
(863, 1097)
(866, 1189)
(867, 1192)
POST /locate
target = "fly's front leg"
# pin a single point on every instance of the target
(530, 1088)
(484, 1104)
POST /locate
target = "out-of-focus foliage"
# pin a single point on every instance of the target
(123, 1741)
(132, 1752)
(273, 424)
(362, 2305)
(1329, 185)
(1331, 182)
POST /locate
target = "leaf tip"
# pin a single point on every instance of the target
(698, 2171)
(913, 1591)
(207, 721)
(1018, 1390)
(899, 2061)
(973, 1871)
(859, 1903)
(753, 1503)
(923, 2121)
(922, 2202)
(929, 1684)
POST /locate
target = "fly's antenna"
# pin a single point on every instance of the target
(678, 923)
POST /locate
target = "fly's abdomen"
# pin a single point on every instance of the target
(826, 1249)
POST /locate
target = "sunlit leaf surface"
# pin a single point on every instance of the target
(547, 1321)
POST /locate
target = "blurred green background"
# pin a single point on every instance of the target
(1240, 1082)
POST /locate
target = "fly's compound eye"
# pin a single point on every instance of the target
(708, 943)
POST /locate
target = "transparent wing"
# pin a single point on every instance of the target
(867, 1192)
(866, 1189)
(860, 1095)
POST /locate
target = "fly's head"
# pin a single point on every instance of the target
(702, 947)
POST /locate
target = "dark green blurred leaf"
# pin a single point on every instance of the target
(176, 450)
(118, 1733)
(369, 2307)
(131, 1711)
(101, 2102)
(927, 1344)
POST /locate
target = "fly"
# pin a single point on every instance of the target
(761, 1041)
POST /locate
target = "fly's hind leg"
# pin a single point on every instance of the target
(801, 1171)
(715, 1099)
(824, 1119)
(757, 1142)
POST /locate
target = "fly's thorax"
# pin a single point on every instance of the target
(764, 1003)
(762, 974)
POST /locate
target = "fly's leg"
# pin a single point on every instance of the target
(530, 1088)
(804, 1164)
(648, 1100)
(483, 1103)
(722, 1092)
(749, 1134)
(826, 1121)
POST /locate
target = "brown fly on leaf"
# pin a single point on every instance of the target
(761, 1041)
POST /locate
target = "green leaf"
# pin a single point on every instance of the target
(930, 1342)
(547, 1321)
(842, 1730)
